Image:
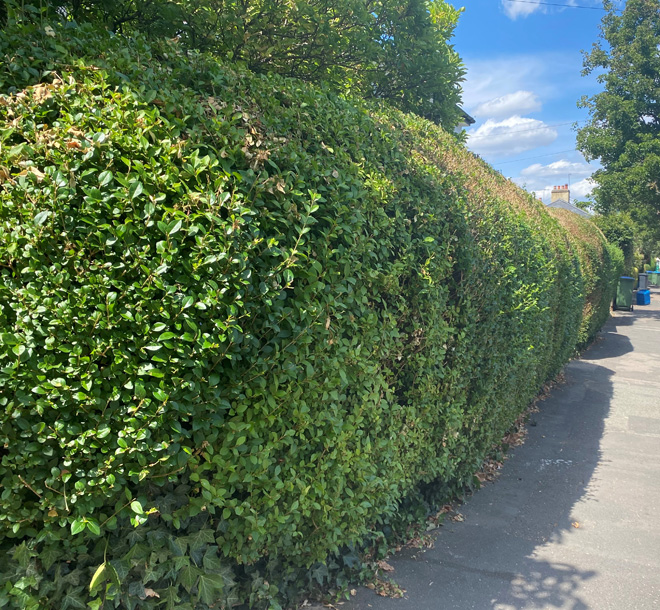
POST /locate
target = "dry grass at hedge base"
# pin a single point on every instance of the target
(245, 339)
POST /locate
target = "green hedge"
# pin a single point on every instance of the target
(601, 265)
(243, 322)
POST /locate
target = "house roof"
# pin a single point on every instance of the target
(466, 117)
(560, 203)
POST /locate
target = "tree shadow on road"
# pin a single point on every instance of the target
(508, 553)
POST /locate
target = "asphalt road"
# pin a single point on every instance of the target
(573, 522)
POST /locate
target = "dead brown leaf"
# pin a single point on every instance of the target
(42, 92)
(386, 567)
(387, 588)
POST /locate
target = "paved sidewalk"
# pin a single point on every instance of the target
(592, 461)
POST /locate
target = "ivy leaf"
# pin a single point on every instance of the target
(22, 555)
(200, 538)
(188, 577)
(210, 561)
(48, 557)
(136, 507)
(210, 587)
(73, 600)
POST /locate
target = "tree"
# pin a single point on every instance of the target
(620, 230)
(624, 131)
(583, 205)
(396, 50)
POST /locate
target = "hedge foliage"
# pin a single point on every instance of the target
(602, 264)
(244, 321)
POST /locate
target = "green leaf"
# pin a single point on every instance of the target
(188, 577)
(41, 217)
(135, 189)
(113, 575)
(71, 599)
(210, 588)
(9, 339)
(16, 151)
(77, 526)
(160, 395)
(210, 560)
(48, 557)
(99, 576)
(105, 178)
(136, 507)
(176, 228)
(200, 538)
(22, 555)
(93, 526)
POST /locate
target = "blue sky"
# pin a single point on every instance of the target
(522, 86)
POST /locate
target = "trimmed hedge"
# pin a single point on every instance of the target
(601, 265)
(244, 321)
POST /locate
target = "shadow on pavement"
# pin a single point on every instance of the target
(609, 344)
(552, 585)
(507, 554)
(638, 315)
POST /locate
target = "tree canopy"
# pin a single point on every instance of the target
(397, 50)
(624, 132)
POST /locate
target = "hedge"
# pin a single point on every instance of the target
(601, 264)
(244, 322)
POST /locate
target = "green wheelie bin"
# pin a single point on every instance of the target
(624, 293)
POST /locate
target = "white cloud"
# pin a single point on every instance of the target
(510, 137)
(523, 77)
(513, 10)
(489, 79)
(523, 8)
(582, 189)
(551, 76)
(562, 169)
(517, 103)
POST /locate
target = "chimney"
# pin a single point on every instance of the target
(560, 193)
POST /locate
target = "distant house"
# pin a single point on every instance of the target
(466, 120)
(560, 197)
